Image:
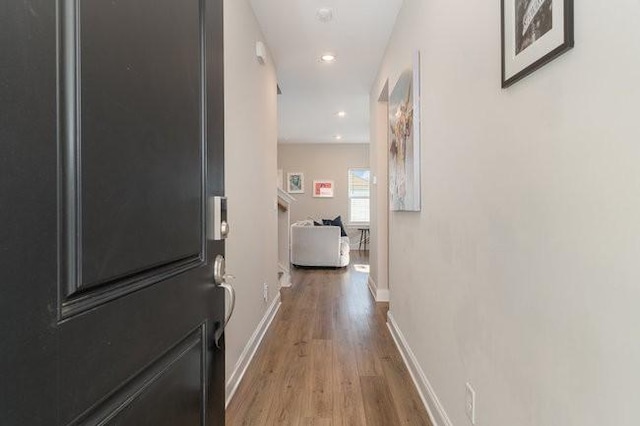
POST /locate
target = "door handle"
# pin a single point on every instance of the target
(220, 278)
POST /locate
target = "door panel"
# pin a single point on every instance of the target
(133, 145)
(141, 144)
(137, 282)
(168, 392)
(175, 398)
(127, 335)
(111, 138)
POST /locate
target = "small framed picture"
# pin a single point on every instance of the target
(295, 183)
(323, 188)
(534, 33)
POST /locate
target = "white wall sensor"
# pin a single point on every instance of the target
(261, 52)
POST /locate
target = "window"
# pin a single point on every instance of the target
(359, 196)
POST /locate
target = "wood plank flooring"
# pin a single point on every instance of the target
(328, 360)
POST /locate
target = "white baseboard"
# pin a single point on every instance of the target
(379, 294)
(285, 278)
(251, 348)
(286, 284)
(427, 393)
(284, 268)
(373, 288)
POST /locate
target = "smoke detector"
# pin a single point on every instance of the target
(325, 14)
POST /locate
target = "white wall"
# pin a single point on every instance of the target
(250, 175)
(521, 273)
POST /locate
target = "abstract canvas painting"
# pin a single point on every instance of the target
(404, 141)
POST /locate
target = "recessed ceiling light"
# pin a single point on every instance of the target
(341, 114)
(325, 14)
(338, 137)
(328, 58)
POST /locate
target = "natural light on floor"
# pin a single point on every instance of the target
(361, 268)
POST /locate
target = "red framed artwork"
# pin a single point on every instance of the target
(323, 188)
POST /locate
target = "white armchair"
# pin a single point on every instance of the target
(318, 246)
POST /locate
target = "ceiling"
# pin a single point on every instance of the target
(314, 92)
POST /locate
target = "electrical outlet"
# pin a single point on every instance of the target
(265, 292)
(470, 404)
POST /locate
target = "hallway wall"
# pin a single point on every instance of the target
(250, 175)
(521, 273)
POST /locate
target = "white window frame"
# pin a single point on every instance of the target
(355, 224)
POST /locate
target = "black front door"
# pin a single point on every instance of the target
(111, 143)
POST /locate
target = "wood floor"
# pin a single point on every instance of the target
(328, 359)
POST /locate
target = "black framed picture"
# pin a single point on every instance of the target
(534, 32)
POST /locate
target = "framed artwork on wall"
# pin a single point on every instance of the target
(534, 32)
(295, 183)
(323, 188)
(404, 141)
